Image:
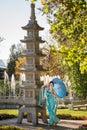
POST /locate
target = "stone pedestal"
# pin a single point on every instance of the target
(30, 111)
(32, 114)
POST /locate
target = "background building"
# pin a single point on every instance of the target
(2, 68)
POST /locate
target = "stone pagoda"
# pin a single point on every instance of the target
(32, 69)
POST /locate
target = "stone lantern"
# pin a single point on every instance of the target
(32, 69)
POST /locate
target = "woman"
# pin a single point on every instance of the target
(51, 104)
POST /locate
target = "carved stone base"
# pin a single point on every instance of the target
(32, 114)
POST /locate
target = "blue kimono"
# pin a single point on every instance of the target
(52, 104)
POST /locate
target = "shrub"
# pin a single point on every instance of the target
(77, 118)
(6, 116)
(63, 116)
(63, 107)
(80, 129)
(10, 128)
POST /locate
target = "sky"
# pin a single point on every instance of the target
(13, 15)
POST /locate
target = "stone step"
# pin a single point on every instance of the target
(62, 125)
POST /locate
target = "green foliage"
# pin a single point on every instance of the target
(69, 27)
(1, 87)
(78, 80)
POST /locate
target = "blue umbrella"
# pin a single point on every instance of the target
(59, 87)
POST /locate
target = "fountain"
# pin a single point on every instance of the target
(22, 78)
(6, 83)
(13, 85)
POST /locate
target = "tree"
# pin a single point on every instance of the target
(52, 61)
(15, 52)
(69, 28)
(19, 64)
(79, 81)
(68, 20)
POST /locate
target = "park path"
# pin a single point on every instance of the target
(62, 125)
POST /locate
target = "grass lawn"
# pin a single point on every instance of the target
(59, 111)
(9, 111)
(72, 112)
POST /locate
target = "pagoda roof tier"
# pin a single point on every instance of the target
(32, 26)
(31, 84)
(27, 71)
(32, 69)
(29, 53)
(28, 39)
(32, 55)
(27, 83)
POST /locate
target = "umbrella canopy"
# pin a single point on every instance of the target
(59, 87)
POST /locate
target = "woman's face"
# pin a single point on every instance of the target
(51, 85)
